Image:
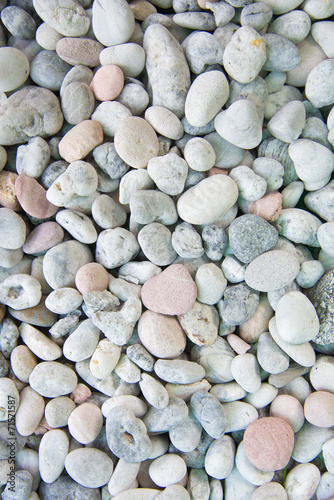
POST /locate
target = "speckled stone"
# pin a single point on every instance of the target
(8, 197)
(80, 140)
(79, 51)
(89, 467)
(32, 198)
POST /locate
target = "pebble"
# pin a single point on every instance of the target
(77, 225)
(122, 477)
(153, 391)
(22, 361)
(18, 22)
(171, 292)
(287, 124)
(239, 415)
(121, 422)
(85, 422)
(155, 242)
(47, 37)
(113, 22)
(201, 49)
(319, 294)
(168, 469)
(215, 240)
(79, 51)
(164, 122)
(211, 90)
(7, 190)
(238, 304)
(268, 443)
(311, 54)
(53, 450)
(149, 206)
(134, 97)
(246, 371)
(319, 202)
(63, 300)
(322, 33)
(211, 283)
(248, 470)
(132, 182)
(187, 242)
(309, 441)
(65, 486)
(186, 436)
(210, 413)
(89, 467)
(290, 409)
(270, 356)
(77, 102)
(13, 229)
(294, 25)
(115, 247)
(161, 335)
(320, 374)
(200, 324)
(8, 392)
(47, 70)
(270, 490)
(167, 69)
(178, 371)
(71, 21)
(23, 486)
(107, 83)
(28, 189)
(91, 277)
(41, 345)
(82, 342)
(18, 71)
(129, 57)
(58, 410)
(282, 53)
(109, 114)
(80, 140)
(30, 411)
(318, 408)
(302, 481)
(169, 173)
(20, 291)
(318, 87)
(52, 379)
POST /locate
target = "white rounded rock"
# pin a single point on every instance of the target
(211, 284)
(323, 34)
(199, 154)
(248, 471)
(130, 57)
(20, 291)
(14, 68)
(246, 371)
(168, 469)
(287, 124)
(302, 481)
(219, 458)
(251, 186)
(113, 21)
(164, 122)
(269, 491)
(53, 449)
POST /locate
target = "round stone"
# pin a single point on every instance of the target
(58, 410)
(161, 335)
(290, 409)
(113, 22)
(43, 237)
(115, 247)
(319, 408)
(48, 70)
(85, 422)
(13, 229)
(319, 84)
(52, 379)
(155, 240)
(168, 469)
(136, 141)
(77, 102)
(15, 68)
(63, 300)
(199, 154)
(92, 277)
(107, 82)
(302, 481)
(76, 51)
(268, 443)
(89, 467)
(130, 57)
(20, 292)
(270, 490)
(164, 122)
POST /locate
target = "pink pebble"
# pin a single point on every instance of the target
(43, 237)
(80, 394)
(92, 277)
(32, 198)
(319, 409)
(171, 292)
(107, 83)
(237, 344)
(217, 170)
(268, 207)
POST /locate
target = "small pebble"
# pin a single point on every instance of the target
(53, 450)
(52, 379)
(318, 408)
(288, 408)
(89, 467)
(107, 82)
(302, 481)
(80, 140)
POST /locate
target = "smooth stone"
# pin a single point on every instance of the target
(327, 451)
(114, 326)
(82, 342)
(310, 273)
(64, 485)
(202, 49)
(104, 359)
(299, 388)
(246, 371)
(130, 133)
(108, 160)
(76, 51)
(89, 467)
(109, 114)
(199, 154)
(215, 241)
(186, 436)
(299, 226)
(10, 258)
(13, 229)
(216, 359)
(79, 73)
(256, 16)
(168, 469)
(20, 291)
(80, 140)
(291, 194)
(282, 379)
(58, 410)
(26, 189)
(115, 247)
(210, 413)
(271, 170)
(133, 181)
(155, 242)
(248, 470)
(287, 124)
(275, 81)
(268, 207)
(37, 316)
(113, 22)
(320, 374)
(309, 441)
(15, 68)
(239, 415)
(288, 408)
(303, 354)
(122, 477)
(322, 32)
(166, 64)
(270, 356)
(244, 55)
(39, 114)
(153, 391)
(318, 88)
(122, 423)
(263, 397)
(47, 70)
(22, 361)
(187, 242)
(52, 379)
(268, 443)
(325, 238)
(219, 458)
(320, 202)
(325, 486)
(53, 449)
(85, 422)
(198, 483)
(107, 82)
(130, 57)
(23, 486)
(294, 25)
(77, 102)
(200, 324)
(27, 460)
(296, 318)
(134, 97)
(43, 237)
(178, 371)
(47, 37)
(41, 345)
(171, 292)
(139, 355)
(127, 370)
(78, 225)
(61, 263)
(54, 170)
(169, 173)
(163, 420)
(228, 392)
(71, 21)
(227, 155)
(8, 393)
(270, 490)
(311, 54)
(149, 206)
(164, 122)
(302, 481)
(282, 54)
(318, 408)
(30, 411)
(206, 96)
(161, 335)
(195, 20)
(18, 22)
(208, 200)
(211, 283)
(305, 155)
(7, 188)
(137, 406)
(251, 186)
(64, 300)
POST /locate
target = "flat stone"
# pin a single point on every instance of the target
(8, 392)
(85, 422)
(294, 25)
(77, 102)
(28, 189)
(58, 410)
(63, 300)
(290, 409)
(165, 419)
(52, 452)
(177, 371)
(80, 140)
(282, 54)
(48, 70)
(78, 225)
(155, 241)
(18, 22)
(270, 356)
(52, 379)
(318, 86)
(89, 467)
(149, 206)
(30, 411)
(239, 304)
(208, 410)
(246, 371)
(79, 51)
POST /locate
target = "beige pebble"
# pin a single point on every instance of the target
(161, 335)
(37, 316)
(319, 409)
(41, 345)
(22, 361)
(268, 207)
(85, 422)
(141, 9)
(237, 344)
(30, 411)
(32, 198)
(107, 83)
(8, 394)
(92, 277)
(80, 394)
(289, 408)
(136, 141)
(8, 197)
(251, 330)
(80, 140)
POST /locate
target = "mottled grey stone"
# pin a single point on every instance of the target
(187, 242)
(201, 49)
(48, 70)
(255, 91)
(139, 355)
(294, 25)
(196, 458)
(69, 19)
(149, 206)
(169, 172)
(178, 371)
(52, 379)
(278, 150)
(321, 202)
(238, 304)
(209, 412)
(89, 467)
(127, 435)
(109, 161)
(77, 102)
(319, 84)
(155, 241)
(321, 296)
(250, 235)
(163, 420)
(79, 73)
(270, 356)
(18, 22)
(32, 159)
(215, 240)
(282, 54)
(9, 335)
(192, 130)
(256, 15)
(51, 172)
(22, 486)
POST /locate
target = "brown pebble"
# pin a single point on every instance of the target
(92, 277)
(2, 311)
(79, 51)
(8, 197)
(268, 207)
(141, 9)
(80, 140)
(37, 316)
(216, 170)
(173, 291)
(107, 83)
(85, 423)
(80, 394)
(268, 443)
(319, 409)
(32, 198)
(43, 237)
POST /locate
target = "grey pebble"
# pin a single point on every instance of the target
(186, 436)
(278, 150)
(238, 304)
(22, 489)
(185, 6)
(134, 97)
(223, 13)
(193, 178)
(139, 355)
(195, 20)
(109, 161)
(165, 419)
(115, 247)
(51, 172)
(178, 371)
(155, 241)
(18, 22)
(270, 356)
(250, 235)
(149, 206)
(77, 102)
(282, 54)
(71, 21)
(256, 15)
(215, 240)
(299, 226)
(233, 269)
(114, 326)
(138, 272)
(316, 130)
(104, 183)
(196, 458)
(216, 359)
(47, 70)
(78, 73)
(65, 487)
(169, 173)
(57, 411)
(127, 435)
(107, 213)
(37, 113)
(322, 298)
(99, 301)
(294, 25)
(310, 273)
(154, 391)
(271, 170)
(275, 295)
(321, 202)
(82, 342)
(192, 130)
(4, 366)
(255, 91)
(319, 84)
(209, 412)
(52, 379)
(89, 467)
(186, 241)
(227, 155)
(202, 49)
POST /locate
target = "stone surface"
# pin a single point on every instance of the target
(321, 297)
(17, 68)
(89, 467)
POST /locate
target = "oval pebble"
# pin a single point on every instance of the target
(168, 469)
(76, 51)
(318, 408)
(89, 467)
(80, 140)
(15, 68)
(210, 413)
(64, 300)
(113, 22)
(43, 237)
(288, 408)
(77, 102)
(41, 345)
(20, 291)
(30, 411)
(52, 379)
(85, 422)
(58, 410)
(52, 452)
(272, 490)
(302, 481)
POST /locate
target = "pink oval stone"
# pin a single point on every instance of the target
(107, 82)
(171, 292)
(43, 237)
(319, 409)
(32, 198)
(268, 207)
(268, 443)
(85, 422)
(92, 277)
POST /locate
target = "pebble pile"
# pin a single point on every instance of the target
(166, 249)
